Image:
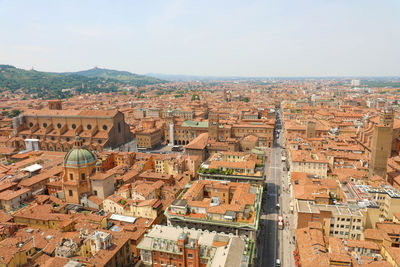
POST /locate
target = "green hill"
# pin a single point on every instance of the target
(123, 76)
(50, 85)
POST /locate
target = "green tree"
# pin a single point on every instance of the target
(14, 113)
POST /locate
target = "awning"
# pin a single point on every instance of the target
(123, 218)
(32, 168)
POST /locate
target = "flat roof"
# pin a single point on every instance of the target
(123, 218)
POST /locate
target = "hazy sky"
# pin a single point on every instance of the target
(251, 38)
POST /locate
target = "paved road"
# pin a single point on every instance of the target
(268, 246)
(273, 243)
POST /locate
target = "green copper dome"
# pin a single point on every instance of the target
(78, 157)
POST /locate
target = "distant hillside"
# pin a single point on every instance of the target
(49, 85)
(123, 76)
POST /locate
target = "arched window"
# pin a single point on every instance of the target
(73, 126)
(89, 126)
(44, 125)
(58, 125)
(30, 124)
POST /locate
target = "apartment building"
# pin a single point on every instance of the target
(306, 161)
(181, 247)
(221, 206)
(233, 167)
(340, 221)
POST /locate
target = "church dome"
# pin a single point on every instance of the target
(79, 156)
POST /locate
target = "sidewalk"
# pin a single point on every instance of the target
(289, 230)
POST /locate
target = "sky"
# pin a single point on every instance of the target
(219, 38)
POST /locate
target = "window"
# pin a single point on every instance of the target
(44, 125)
(68, 139)
(71, 176)
(52, 138)
(70, 193)
(190, 255)
(73, 126)
(58, 125)
(89, 126)
(95, 192)
(119, 127)
(30, 124)
(83, 176)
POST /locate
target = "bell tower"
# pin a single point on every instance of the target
(213, 125)
(381, 147)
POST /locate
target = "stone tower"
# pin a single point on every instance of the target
(213, 125)
(381, 144)
(55, 104)
(310, 129)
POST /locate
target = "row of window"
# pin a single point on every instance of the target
(346, 226)
(347, 219)
(89, 126)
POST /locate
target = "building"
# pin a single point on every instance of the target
(218, 206)
(179, 132)
(340, 221)
(79, 164)
(310, 129)
(381, 145)
(148, 138)
(12, 200)
(55, 129)
(102, 183)
(233, 167)
(174, 246)
(309, 162)
(116, 204)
